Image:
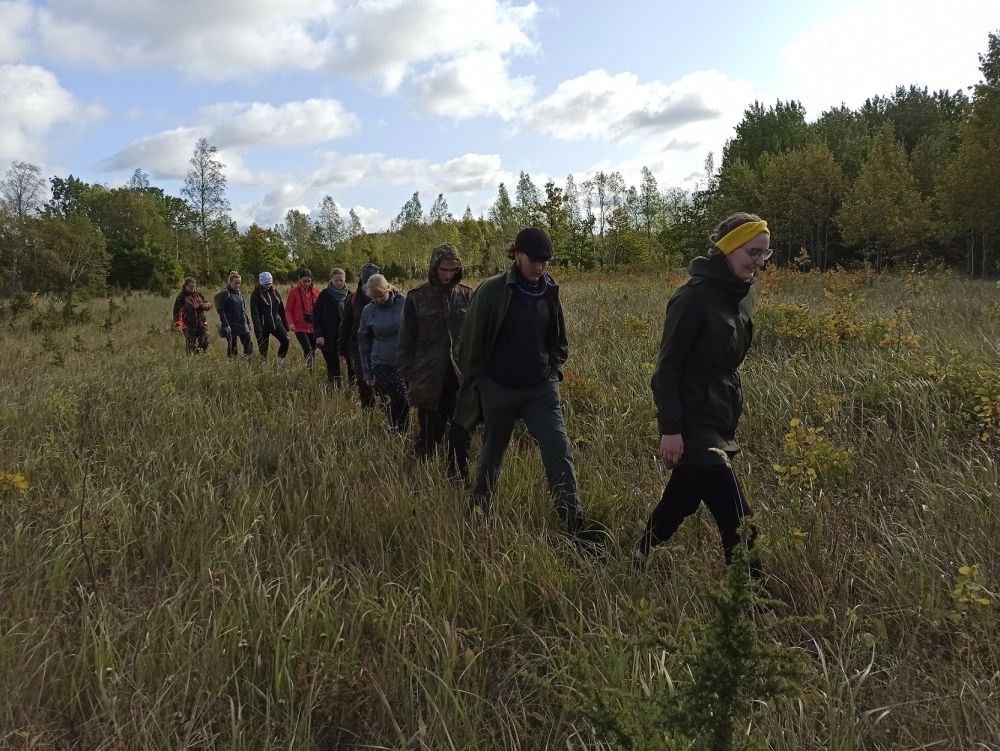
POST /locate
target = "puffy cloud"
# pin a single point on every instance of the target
(372, 219)
(601, 106)
(167, 156)
(456, 47)
(293, 124)
(232, 126)
(164, 155)
(34, 101)
(341, 171)
(865, 48)
(464, 174)
(218, 40)
(16, 20)
(387, 39)
(474, 85)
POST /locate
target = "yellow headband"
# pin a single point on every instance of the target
(740, 236)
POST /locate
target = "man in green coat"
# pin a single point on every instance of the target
(513, 348)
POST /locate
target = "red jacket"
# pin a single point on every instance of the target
(300, 302)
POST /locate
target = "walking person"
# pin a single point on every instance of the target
(268, 314)
(189, 316)
(326, 323)
(233, 317)
(429, 337)
(299, 311)
(378, 337)
(347, 341)
(512, 351)
(696, 387)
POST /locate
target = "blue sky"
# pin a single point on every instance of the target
(370, 100)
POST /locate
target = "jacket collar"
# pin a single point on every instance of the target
(510, 278)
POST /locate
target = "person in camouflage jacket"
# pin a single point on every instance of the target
(429, 336)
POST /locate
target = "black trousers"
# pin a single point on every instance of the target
(389, 384)
(435, 424)
(365, 392)
(233, 337)
(332, 367)
(264, 343)
(308, 344)
(688, 486)
(195, 340)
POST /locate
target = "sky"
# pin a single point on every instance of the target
(368, 101)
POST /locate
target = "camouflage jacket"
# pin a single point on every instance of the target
(430, 332)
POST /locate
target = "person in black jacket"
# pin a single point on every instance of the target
(696, 387)
(189, 316)
(326, 323)
(268, 314)
(233, 317)
(347, 341)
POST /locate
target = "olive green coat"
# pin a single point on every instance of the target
(487, 310)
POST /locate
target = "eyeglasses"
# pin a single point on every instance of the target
(762, 253)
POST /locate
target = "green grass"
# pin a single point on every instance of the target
(226, 555)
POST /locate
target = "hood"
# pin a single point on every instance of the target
(395, 298)
(367, 272)
(446, 252)
(715, 268)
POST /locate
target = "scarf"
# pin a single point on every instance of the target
(339, 295)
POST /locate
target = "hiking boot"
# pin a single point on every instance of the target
(590, 536)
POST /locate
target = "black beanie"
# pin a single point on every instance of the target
(534, 243)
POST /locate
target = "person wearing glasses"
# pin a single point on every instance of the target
(299, 311)
(696, 387)
(510, 359)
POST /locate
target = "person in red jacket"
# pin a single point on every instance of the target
(299, 311)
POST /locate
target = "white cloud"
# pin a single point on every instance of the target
(870, 47)
(164, 155)
(34, 101)
(600, 106)
(220, 39)
(16, 20)
(372, 219)
(464, 174)
(232, 126)
(385, 39)
(341, 171)
(472, 86)
(311, 121)
(457, 48)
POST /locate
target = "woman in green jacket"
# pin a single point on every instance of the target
(696, 387)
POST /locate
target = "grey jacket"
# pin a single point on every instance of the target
(378, 333)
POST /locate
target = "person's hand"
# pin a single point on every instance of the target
(229, 330)
(320, 341)
(291, 328)
(671, 449)
(370, 381)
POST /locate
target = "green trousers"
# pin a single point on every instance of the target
(539, 407)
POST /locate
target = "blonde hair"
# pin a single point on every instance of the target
(334, 272)
(235, 275)
(377, 283)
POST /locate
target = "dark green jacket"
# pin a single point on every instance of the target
(706, 334)
(430, 332)
(487, 310)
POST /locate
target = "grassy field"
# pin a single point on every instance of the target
(201, 554)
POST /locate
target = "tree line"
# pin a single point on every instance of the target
(909, 177)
